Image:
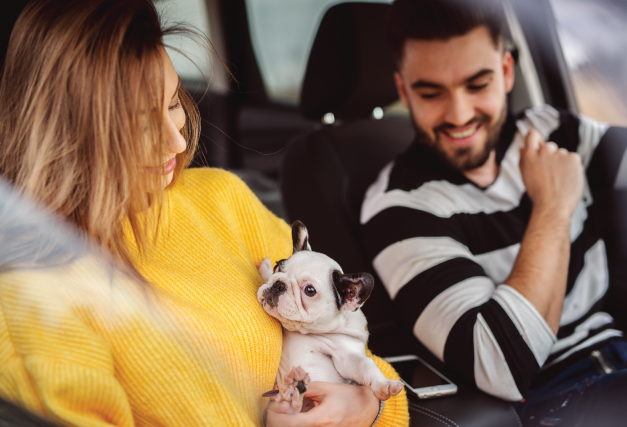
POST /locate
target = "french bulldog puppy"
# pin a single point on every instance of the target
(324, 330)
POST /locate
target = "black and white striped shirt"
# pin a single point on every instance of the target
(444, 248)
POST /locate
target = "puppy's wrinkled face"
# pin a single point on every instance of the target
(300, 289)
(310, 289)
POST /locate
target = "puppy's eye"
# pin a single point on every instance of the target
(310, 291)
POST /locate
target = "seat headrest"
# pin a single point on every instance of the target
(350, 69)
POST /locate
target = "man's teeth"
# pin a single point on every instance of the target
(461, 134)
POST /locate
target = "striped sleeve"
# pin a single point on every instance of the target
(486, 331)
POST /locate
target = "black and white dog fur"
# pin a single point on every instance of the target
(324, 330)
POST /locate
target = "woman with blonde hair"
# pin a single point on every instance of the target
(95, 125)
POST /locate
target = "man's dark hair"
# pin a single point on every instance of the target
(441, 20)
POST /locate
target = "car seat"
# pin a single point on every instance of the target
(326, 173)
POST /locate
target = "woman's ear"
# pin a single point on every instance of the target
(300, 237)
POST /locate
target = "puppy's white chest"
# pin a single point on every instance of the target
(313, 353)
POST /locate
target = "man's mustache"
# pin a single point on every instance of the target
(477, 119)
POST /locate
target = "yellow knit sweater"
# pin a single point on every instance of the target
(87, 347)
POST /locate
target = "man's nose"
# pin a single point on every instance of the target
(460, 110)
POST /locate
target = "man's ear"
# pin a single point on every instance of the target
(354, 289)
(508, 71)
(400, 88)
(300, 237)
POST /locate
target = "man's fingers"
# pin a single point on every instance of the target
(533, 140)
(551, 147)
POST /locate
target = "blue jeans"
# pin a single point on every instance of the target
(579, 396)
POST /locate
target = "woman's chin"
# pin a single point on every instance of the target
(167, 179)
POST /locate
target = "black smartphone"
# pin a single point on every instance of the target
(421, 378)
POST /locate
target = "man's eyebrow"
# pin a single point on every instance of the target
(481, 73)
(425, 84)
(419, 84)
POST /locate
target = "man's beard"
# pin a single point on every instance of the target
(463, 159)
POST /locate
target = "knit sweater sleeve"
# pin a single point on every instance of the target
(55, 387)
(84, 362)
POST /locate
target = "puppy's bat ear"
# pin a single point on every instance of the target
(300, 237)
(353, 289)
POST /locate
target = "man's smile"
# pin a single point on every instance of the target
(462, 136)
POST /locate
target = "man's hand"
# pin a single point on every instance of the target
(335, 405)
(554, 180)
(553, 176)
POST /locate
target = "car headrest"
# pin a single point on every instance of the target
(350, 70)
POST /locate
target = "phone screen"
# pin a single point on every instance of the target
(418, 375)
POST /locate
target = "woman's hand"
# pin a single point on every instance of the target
(335, 405)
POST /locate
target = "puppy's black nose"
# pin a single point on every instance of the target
(272, 294)
(278, 286)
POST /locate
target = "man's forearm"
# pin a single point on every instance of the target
(541, 269)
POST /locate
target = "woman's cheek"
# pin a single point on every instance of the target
(179, 118)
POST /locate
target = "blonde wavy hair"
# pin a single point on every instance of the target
(81, 115)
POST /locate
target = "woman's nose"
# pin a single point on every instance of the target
(176, 142)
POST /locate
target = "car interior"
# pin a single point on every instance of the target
(311, 157)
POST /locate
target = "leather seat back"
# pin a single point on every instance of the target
(325, 175)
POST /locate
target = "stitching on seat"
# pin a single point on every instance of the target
(433, 415)
(516, 415)
(429, 415)
(436, 413)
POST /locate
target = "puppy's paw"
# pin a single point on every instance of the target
(289, 400)
(386, 389)
(395, 387)
(265, 269)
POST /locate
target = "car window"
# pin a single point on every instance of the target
(282, 32)
(190, 58)
(593, 36)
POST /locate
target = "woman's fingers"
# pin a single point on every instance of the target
(311, 418)
(317, 390)
(336, 405)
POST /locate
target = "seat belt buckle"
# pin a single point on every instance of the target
(601, 363)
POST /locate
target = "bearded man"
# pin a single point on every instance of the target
(485, 232)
